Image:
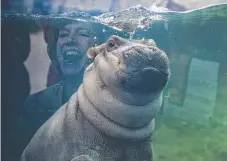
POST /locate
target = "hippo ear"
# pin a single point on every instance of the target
(94, 51)
(91, 54)
(148, 42)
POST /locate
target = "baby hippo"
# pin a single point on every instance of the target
(111, 117)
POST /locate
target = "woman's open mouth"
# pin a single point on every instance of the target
(71, 57)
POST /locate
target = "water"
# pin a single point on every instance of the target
(192, 124)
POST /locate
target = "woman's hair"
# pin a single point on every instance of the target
(51, 33)
(51, 36)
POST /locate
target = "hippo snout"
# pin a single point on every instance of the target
(134, 56)
(142, 68)
(140, 57)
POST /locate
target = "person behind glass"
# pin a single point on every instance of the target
(67, 47)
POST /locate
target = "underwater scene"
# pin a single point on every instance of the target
(139, 83)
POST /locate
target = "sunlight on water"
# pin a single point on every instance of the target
(130, 19)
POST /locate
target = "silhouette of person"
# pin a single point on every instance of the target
(15, 77)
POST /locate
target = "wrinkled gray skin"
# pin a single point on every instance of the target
(111, 117)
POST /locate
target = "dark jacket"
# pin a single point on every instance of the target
(38, 108)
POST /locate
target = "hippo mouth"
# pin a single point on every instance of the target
(154, 70)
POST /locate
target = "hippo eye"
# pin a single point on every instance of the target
(111, 46)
